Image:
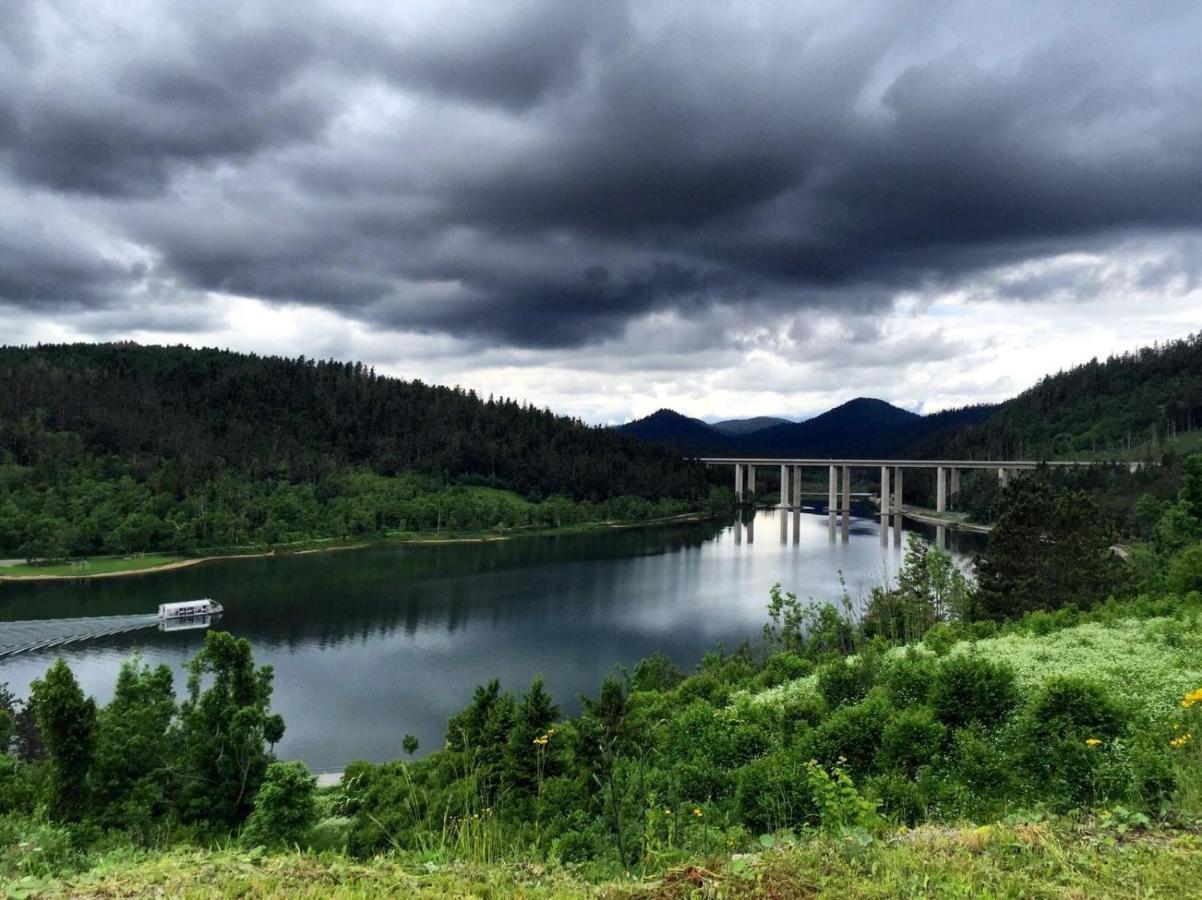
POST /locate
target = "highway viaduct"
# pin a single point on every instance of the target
(947, 482)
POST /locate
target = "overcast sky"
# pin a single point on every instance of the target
(729, 208)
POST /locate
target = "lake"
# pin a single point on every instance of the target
(369, 645)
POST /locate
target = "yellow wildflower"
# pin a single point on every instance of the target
(1092, 742)
(667, 812)
(697, 811)
(1178, 742)
(1191, 699)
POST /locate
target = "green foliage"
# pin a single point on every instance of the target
(971, 689)
(1185, 571)
(908, 678)
(930, 588)
(67, 720)
(843, 681)
(409, 744)
(910, 740)
(772, 792)
(285, 807)
(226, 730)
(1050, 547)
(810, 631)
(852, 735)
(1191, 485)
(1068, 732)
(527, 760)
(137, 752)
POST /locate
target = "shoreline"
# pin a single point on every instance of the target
(468, 538)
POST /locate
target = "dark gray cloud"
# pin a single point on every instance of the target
(543, 173)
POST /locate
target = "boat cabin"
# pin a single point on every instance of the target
(187, 609)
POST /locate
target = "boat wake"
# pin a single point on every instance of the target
(43, 634)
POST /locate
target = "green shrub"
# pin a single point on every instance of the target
(969, 689)
(851, 735)
(842, 681)
(781, 668)
(978, 761)
(1185, 571)
(940, 638)
(285, 807)
(655, 673)
(908, 679)
(1067, 735)
(798, 715)
(18, 790)
(898, 797)
(331, 833)
(772, 793)
(910, 740)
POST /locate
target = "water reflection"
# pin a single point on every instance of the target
(370, 645)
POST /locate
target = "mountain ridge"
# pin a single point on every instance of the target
(861, 427)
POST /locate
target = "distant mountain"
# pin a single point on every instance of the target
(748, 426)
(861, 428)
(689, 435)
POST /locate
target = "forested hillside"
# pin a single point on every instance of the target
(179, 447)
(1127, 406)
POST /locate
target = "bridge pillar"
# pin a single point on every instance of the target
(846, 501)
(954, 490)
(738, 482)
(832, 501)
(784, 486)
(751, 481)
(1003, 475)
(940, 489)
(797, 486)
(897, 505)
(884, 504)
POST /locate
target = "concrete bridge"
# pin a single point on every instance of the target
(947, 482)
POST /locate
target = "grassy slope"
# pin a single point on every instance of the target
(1151, 663)
(1026, 860)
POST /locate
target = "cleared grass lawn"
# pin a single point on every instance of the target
(1151, 663)
(1034, 860)
(97, 566)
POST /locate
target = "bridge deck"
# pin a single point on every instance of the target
(894, 463)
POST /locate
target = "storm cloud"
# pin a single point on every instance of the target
(549, 174)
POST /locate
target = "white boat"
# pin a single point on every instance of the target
(189, 609)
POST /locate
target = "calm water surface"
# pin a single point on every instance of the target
(373, 644)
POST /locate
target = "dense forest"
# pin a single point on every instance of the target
(120, 448)
(1129, 405)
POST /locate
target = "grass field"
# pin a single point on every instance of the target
(1015, 860)
(96, 566)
